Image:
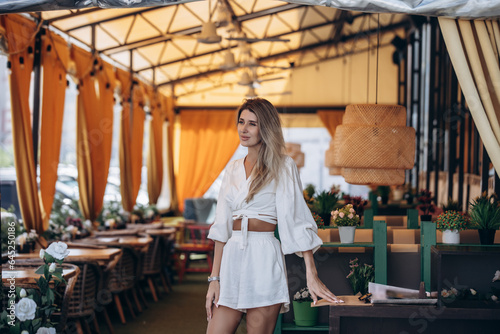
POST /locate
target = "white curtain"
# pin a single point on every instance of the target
(473, 47)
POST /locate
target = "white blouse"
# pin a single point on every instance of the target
(283, 204)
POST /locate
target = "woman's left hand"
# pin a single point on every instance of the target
(318, 289)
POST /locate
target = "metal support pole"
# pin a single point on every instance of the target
(37, 69)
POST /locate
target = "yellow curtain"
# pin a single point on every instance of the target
(473, 47)
(20, 32)
(131, 140)
(94, 130)
(208, 140)
(55, 55)
(331, 119)
(154, 160)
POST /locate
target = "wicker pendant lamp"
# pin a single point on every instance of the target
(373, 145)
(329, 162)
(293, 150)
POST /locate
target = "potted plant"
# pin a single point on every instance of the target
(324, 202)
(304, 314)
(360, 276)
(358, 203)
(451, 222)
(425, 205)
(484, 214)
(346, 219)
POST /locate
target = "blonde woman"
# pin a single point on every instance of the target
(259, 192)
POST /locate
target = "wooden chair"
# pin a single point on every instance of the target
(196, 242)
(153, 264)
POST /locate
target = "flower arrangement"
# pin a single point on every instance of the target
(66, 221)
(360, 276)
(112, 215)
(34, 307)
(26, 241)
(452, 294)
(452, 220)
(318, 220)
(346, 216)
(303, 295)
(425, 202)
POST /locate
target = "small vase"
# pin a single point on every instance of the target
(486, 236)
(346, 234)
(451, 237)
(304, 314)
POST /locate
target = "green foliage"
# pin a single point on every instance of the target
(318, 220)
(451, 205)
(360, 276)
(383, 191)
(325, 202)
(452, 220)
(484, 212)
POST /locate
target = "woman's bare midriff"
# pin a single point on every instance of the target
(255, 225)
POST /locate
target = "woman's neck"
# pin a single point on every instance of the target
(253, 154)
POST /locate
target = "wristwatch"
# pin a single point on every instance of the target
(213, 278)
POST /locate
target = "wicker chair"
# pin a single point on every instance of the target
(122, 279)
(153, 264)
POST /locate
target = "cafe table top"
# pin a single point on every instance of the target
(139, 243)
(102, 256)
(161, 232)
(27, 276)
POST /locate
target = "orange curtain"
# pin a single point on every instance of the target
(55, 56)
(94, 130)
(20, 32)
(208, 140)
(331, 119)
(131, 140)
(154, 161)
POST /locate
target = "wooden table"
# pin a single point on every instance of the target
(101, 256)
(27, 277)
(355, 316)
(138, 243)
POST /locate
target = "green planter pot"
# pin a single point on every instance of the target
(304, 314)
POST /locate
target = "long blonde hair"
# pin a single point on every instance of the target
(271, 157)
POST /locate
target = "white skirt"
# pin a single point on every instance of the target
(254, 276)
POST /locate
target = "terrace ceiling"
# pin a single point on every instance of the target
(159, 44)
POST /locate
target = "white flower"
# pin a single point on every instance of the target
(297, 295)
(110, 222)
(25, 309)
(32, 235)
(454, 291)
(22, 293)
(59, 250)
(494, 298)
(351, 216)
(45, 330)
(445, 293)
(473, 292)
(88, 224)
(497, 276)
(70, 228)
(341, 214)
(351, 210)
(305, 294)
(21, 239)
(52, 267)
(42, 253)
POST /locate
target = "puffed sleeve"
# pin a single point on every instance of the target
(297, 229)
(223, 223)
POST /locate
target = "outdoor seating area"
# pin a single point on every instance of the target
(146, 145)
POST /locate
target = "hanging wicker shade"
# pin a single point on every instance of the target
(329, 158)
(374, 145)
(293, 150)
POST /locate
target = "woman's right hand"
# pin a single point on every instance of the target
(212, 298)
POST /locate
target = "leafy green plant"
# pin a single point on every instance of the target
(325, 202)
(451, 205)
(318, 220)
(484, 212)
(360, 276)
(452, 220)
